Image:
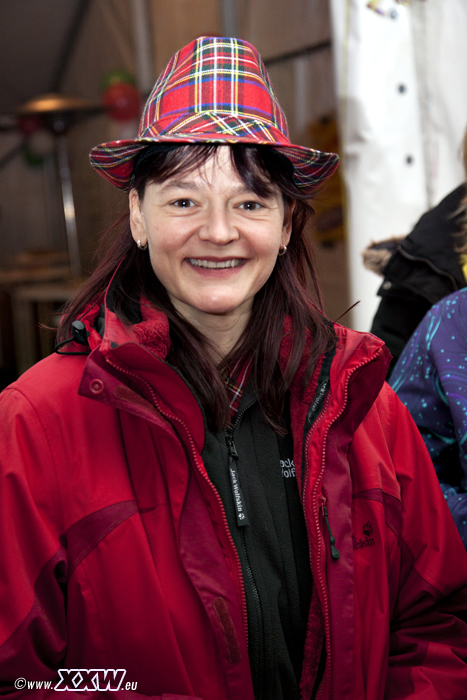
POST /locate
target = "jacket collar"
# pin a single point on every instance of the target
(152, 331)
(354, 352)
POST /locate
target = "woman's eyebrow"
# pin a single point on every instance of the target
(179, 184)
(190, 185)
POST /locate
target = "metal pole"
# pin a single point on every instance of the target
(68, 205)
(229, 18)
(142, 43)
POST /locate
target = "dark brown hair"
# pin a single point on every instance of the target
(461, 234)
(285, 293)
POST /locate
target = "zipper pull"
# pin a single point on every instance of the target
(231, 445)
(335, 554)
(239, 501)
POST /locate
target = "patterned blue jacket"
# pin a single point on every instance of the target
(431, 380)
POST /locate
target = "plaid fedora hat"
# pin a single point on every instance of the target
(214, 90)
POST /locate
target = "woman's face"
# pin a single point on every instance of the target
(212, 242)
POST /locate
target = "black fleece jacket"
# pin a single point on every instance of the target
(272, 547)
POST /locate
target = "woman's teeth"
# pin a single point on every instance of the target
(215, 265)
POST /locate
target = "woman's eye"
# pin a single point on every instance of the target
(250, 206)
(183, 203)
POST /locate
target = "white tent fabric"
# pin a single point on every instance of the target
(401, 71)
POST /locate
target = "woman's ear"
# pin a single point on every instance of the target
(287, 226)
(138, 229)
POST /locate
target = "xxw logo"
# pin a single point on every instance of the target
(90, 678)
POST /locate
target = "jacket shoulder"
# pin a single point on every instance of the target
(46, 396)
(433, 229)
(356, 347)
(53, 379)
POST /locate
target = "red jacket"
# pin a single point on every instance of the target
(116, 552)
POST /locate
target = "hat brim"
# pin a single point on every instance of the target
(114, 160)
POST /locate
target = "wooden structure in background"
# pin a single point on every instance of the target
(35, 308)
(176, 22)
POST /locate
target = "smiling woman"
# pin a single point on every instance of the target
(211, 486)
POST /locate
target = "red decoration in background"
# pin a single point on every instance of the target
(29, 123)
(122, 101)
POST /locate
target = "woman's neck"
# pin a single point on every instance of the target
(223, 331)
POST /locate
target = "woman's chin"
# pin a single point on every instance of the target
(227, 309)
(215, 308)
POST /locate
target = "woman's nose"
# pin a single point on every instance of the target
(218, 227)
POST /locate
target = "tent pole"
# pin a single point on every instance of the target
(68, 205)
(142, 46)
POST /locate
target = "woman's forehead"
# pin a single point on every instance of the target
(217, 173)
(218, 165)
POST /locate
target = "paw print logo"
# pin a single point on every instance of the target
(368, 529)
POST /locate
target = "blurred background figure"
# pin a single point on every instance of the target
(431, 380)
(420, 269)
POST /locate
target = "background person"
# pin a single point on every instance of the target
(431, 380)
(146, 523)
(420, 269)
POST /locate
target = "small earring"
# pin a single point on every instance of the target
(283, 250)
(141, 247)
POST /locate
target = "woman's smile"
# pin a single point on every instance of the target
(216, 264)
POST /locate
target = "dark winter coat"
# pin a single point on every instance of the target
(418, 271)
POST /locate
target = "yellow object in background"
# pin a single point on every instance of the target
(329, 202)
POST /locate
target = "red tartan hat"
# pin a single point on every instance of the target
(214, 90)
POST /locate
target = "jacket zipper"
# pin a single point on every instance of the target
(259, 615)
(317, 507)
(233, 455)
(194, 453)
(321, 543)
(335, 554)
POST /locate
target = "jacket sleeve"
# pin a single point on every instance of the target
(428, 636)
(430, 380)
(33, 627)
